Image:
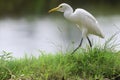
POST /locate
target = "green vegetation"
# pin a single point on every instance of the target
(98, 63)
(90, 64)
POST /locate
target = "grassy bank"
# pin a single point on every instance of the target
(90, 64)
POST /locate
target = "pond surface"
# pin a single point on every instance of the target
(22, 36)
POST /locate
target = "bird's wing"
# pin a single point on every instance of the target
(85, 13)
(88, 21)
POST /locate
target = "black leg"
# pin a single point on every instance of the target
(78, 46)
(89, 41)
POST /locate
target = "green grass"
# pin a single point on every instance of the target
(90, 64)
(98, 63)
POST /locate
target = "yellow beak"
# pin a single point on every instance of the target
(54, 9)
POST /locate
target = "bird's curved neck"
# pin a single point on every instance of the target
(68, 12)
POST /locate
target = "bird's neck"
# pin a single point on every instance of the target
(68, 13)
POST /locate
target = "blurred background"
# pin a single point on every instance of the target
(27, 28)
(41, 7)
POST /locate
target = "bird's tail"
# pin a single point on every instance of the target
(102, 35)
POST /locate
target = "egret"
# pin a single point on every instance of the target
(85, 21)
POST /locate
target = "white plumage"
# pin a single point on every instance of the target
(83, 19)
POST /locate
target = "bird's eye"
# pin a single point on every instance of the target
(60, 6)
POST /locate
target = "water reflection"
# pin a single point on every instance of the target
(21, 36)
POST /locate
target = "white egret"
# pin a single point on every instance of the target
(85, 21)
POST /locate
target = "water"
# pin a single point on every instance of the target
(22, 36)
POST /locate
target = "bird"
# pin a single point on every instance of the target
(84, 20)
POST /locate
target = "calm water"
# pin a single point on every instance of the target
(22, 36)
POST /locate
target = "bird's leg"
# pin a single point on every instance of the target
(78, 46)
(89, 41)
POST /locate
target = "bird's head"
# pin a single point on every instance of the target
(62, 7)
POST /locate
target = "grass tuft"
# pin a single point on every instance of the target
(92, 64)
(98, 63)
